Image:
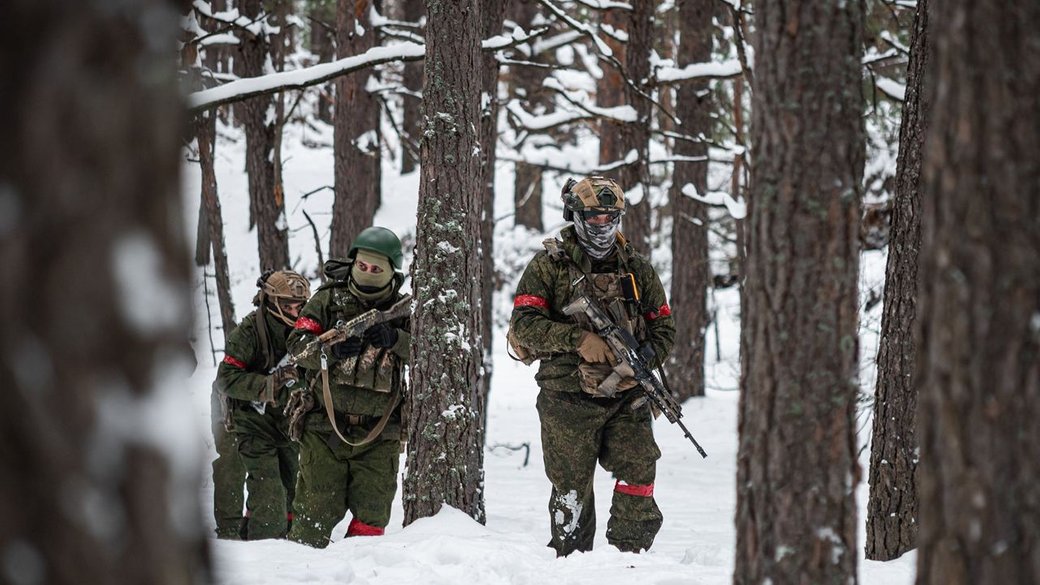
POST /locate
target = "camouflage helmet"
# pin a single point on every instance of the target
(278, 287)
(593, 193)
(381, 241)
(285, 285)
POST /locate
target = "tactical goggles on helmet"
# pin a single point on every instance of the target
(589, 215)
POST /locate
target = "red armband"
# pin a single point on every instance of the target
(309, 325)
(664, 311)
(645, 491)
(530, 301)
(234, 362)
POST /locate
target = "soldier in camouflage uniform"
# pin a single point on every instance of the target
(579, 425)
(365, 379)
(256, 379)
(229, 475)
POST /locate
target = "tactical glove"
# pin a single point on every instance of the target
(594, 350)
(277, 384)
(349, 347)
(381, 335)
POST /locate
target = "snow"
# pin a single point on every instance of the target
(737, 207)
(729, 68)
(303, 77)
(696, 496)
(891, 88)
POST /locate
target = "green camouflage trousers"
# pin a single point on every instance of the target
(228, 476)
(339, 478)
(271, 461)
(579, 430)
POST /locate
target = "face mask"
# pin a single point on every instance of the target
(367, 285)
(597, 240)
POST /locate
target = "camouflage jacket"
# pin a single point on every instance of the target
(242, 376)
(547, 286)
(360, 385)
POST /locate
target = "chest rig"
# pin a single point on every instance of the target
(375, 368)
(616, 291)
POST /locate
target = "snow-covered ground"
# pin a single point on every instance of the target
(697, 496)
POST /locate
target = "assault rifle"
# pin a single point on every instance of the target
(632, 361)
(353, 328)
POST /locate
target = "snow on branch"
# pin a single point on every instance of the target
(891, 88)
(518, 37)
(540, 123)
(723, 70)
(606, 5)
(301, 78)
(623, 114)
(737, 208)
(583, 28)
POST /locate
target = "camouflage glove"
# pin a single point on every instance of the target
(301, 401)
(349, 347)
(594, 350)
(284, 377)
(381, 335)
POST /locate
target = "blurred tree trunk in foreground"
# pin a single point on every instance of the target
(979, 326)
(96, 489)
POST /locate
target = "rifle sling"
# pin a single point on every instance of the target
(326, 393)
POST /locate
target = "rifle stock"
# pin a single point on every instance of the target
(631, 362)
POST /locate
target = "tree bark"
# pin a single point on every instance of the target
(690, 268)
(266, 205)
(97, 300)
(323, 44)
(618, 140)
(892, 507)
(796, 466)
(356, 134)
(527, 82)
(206, 131)
(492, 12)
(412, 79)
(445, 459)
(979, 326)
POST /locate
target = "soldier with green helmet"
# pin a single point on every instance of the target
(580, 426)
(351, 463)
(256, 378)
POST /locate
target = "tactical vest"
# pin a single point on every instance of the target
(617, 292)
(377, 369)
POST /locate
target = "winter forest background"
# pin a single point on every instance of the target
(842, 197)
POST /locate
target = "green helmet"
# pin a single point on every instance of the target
(592, 193)
(381, 241)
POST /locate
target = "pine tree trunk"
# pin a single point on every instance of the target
(412, 80)
(97, 299)
(690, 269)
(206, 131)
(323, 44)
(527, 81)
(796, 467)
(445, 459)
(618, 140)
(979, 325)
(356, 135)
(892, 507)
(266, 207)
(492, 14)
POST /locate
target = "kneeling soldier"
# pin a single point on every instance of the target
(351, 463)
(580, 423)
(256, 380)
